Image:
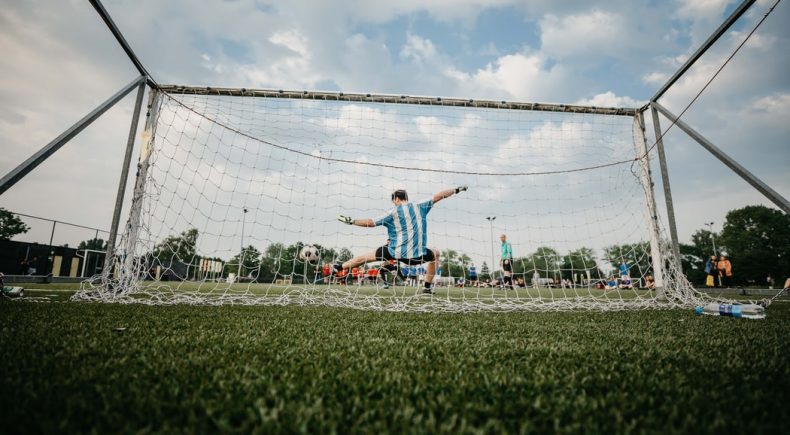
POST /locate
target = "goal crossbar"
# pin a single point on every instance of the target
(396, 99)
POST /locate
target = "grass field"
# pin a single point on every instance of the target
(83, 367)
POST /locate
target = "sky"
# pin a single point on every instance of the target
(60, 61)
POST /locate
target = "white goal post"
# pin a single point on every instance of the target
(237, 181)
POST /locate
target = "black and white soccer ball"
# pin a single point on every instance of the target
(309, 254)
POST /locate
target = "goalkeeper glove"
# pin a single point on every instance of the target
(345, 219)
(460, 189)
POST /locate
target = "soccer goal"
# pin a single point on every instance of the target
(233, 184)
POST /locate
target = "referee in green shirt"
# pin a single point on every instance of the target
(506, 262)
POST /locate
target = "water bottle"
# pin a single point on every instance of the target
(747, 311)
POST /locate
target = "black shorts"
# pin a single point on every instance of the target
(383, 254)
(507, 265)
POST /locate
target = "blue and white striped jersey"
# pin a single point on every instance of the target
(407, 228)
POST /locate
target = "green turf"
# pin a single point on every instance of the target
(68, 367)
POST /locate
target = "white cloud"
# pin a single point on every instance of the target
(588, 35)
(292, 40)
(778, 104)
(701, 9)
(655, 78)
(513, 76)
(609, 99)
(417, 49)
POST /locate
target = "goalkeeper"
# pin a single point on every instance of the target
(506, 263)
(407, 227)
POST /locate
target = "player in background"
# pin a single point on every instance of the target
(506, 262)
(407, 228)
(473, 276)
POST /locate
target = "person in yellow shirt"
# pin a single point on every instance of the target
(725, 271)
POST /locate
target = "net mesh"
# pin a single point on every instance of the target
(230, 190)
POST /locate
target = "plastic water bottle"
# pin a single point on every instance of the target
(747, 311)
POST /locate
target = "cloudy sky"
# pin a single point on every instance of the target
(59, 61)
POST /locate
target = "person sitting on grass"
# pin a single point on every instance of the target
(407, 227)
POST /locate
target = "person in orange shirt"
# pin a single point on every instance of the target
(326, 271)
(342, 277)
(725, 271)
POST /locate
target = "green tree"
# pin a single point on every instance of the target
(757, 239)
(485, 272)
(580, 263)
(694, 256)
(453, 263)
(635, 255)
(693, 263)
(344, 254)
(250, 259)
(545, 260)
(94, 244)
(702, 240)
(271, 263)
(180, 247)
(11, 225)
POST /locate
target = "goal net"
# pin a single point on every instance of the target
(234, 185)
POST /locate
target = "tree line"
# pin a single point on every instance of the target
(279, 260)
(755, 238)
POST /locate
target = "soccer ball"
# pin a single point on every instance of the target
(309, 254)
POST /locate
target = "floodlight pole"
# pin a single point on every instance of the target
(712, 238)
(127, 159)
(758, 184)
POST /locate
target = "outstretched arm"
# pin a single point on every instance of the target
(447, 193)
(358, 222)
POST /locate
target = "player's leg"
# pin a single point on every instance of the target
(507, 270)
(431, 257)
(360, 260)
(381, 253)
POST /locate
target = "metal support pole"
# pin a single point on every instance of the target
(128, 261)
(650, 202)
(662, 160)
(84, 262)
(52, 236)
(740, 10)
(771, 194)
(394, 99)
(121, 40)
(493, 259)
(36, 159)
(116, 216)
(241, 254)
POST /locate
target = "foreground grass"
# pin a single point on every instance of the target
(72, 367)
